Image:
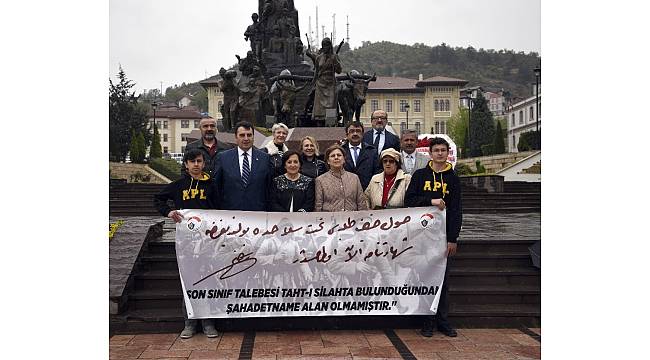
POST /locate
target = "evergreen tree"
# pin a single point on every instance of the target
(142, 149)
(125, 117)
(134, 149)
(499, 144)
(466, 141)
(156, 149)
(481, 128)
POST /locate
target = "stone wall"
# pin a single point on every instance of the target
(494, 163)
(125, 170)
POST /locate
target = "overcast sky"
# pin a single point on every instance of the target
(176, 41)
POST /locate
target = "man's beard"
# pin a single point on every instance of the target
(208, 137)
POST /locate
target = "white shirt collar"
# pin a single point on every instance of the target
(241, 152)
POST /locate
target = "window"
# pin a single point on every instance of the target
(219, 103)
(446, 105)
(165, 137)
(184, 137)
(417, 128)
(416, 106)
(402, 105)
(389, 106)
(183, 149)
(521, 117)
(532, 116)
(442, 127)
(165, 149)
(165, 124)
(374, 105)
(436, 106)
(185, 124)
(196, 123)
(513, 120)
(437, 126)
(402, 127)
(514, 145)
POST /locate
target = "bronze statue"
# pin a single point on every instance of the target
(284, 93)
(326, 66)
(352, 91)
(254, 33)
(230, 91)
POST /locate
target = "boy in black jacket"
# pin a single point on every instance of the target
(195, 190)
(438, 185)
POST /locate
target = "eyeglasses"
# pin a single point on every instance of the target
(388, 161)
(355, 131)
(379, 117)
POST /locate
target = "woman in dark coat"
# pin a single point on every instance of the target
(311, 164)
(292, 191)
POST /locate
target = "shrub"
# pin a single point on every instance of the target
(140, 177)
(487, 149)
(530, 140)
(463, 169)
(167, 167)
(480, 169)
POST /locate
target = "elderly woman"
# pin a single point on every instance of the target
(387, 189)
(276, 148)
(292, 191)
(337, 189)
(311, 165)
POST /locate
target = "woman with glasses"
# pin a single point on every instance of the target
(387, 189)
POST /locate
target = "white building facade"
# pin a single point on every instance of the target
(522, 117)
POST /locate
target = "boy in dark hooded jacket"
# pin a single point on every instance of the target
(195, 190)
(438, 185)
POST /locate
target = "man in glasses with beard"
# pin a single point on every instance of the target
(207, 144)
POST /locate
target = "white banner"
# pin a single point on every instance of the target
(257, 264)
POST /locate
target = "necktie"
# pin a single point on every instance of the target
(410, 163)
(356, 154)
(245, 172)
(377, 141)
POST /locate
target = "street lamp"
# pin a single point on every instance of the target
(469, 119)
(407, 107)
(538, 73)
(154, 105)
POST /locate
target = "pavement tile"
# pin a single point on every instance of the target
(378, 340)
(537, 331)
(275, 349)
(525, 340)
(534, 352)
(328, 350)
(214, 354)
(429, 345)
(303, 335)
(338, 337)
(377, 351)
(377, 358)
(120, 340)
(231, 341)
(196, 342)
(426, 356)
(490, 338)
(264, 357)
(155, 354)
(405, 334)
(485, 355)
(131, 352)
(311, 343)
(468, 346)
(153, 339)
(313, 357)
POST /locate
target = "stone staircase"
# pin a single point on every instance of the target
(494, 163)
(131, 172)
(137, 199)
(493, 284)
(535, 169)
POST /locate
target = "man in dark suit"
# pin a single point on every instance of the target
(378, 136)
(243, 174)
(207, 144)
(360, 157)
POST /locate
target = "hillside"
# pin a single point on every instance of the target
(491, 69)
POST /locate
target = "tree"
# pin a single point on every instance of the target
(481, 129)
(125, 117)
(457, 127)
(138, 150)
(499, 144)
(156, 149)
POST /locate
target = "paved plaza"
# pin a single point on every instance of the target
(489, 344)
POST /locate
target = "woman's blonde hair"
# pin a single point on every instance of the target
(313, 141)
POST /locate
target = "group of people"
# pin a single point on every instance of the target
(369, 170)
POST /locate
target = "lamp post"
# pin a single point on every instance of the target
(538, 73)
(407, 107)
(469, 120)
(154, 105)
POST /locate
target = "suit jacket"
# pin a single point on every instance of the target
(367, 164)
(233, 194)
(421, 161)
(391, 140)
